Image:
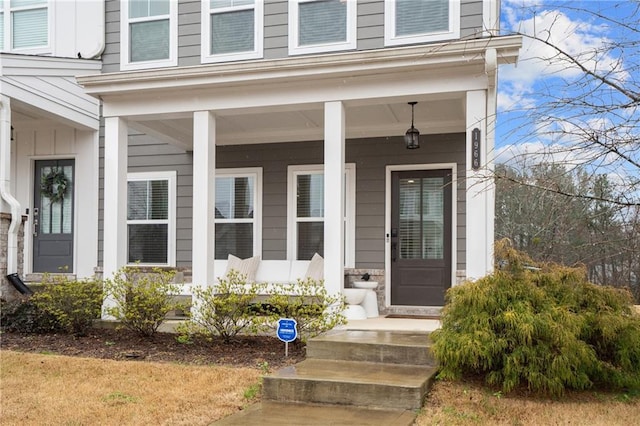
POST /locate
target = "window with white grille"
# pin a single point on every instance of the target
(421, 21)
(317, 26)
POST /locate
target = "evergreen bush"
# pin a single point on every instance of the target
(142, 299)
(75, 304)
(226, 309)
(543, 326)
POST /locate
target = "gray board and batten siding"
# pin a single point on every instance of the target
(369, 155)
(370, 31)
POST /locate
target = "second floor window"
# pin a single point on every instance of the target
(231, 30)
(148, 34)
(317, 26)
(24, 25)
(419, 21)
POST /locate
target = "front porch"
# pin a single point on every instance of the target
(328, 128)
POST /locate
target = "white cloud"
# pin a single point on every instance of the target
(577, 37)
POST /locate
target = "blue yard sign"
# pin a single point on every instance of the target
(287, 331)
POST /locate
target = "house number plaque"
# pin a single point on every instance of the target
(475, 148)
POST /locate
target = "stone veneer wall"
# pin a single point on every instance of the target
(377, 275)
(351, 275)
(7, 291)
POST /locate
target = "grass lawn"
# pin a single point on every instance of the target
(38, 389)
(460, 403)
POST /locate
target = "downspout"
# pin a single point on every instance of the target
(92, 9)
(5, 181)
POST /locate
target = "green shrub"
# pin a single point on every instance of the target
(23, 316)
(545, 327)
(142, 299)
(309, 303)
(75, 304)
(225, 310)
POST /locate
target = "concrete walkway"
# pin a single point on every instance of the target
(287, 413)
(281, 414)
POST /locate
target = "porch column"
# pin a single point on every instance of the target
(204, 175)
(8, 203)
(334, 131)
(115, 198)
(480, 192)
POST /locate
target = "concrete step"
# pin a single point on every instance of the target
(278, 414)
(364, 384)
(392, 347)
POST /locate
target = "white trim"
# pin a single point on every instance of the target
(7, 11)
(458, 55)
(480, 198)
(205, 38)
(203, 206)
(349, 44)
(350, 209)
(454, 222)
(490, 18)
(390, 38)
(255, 172)
(171, 177)
(125, 64)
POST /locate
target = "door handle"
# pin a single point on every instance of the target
(36, 212)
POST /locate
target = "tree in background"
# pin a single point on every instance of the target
(569, 186)
(578, 101)
(534, 211)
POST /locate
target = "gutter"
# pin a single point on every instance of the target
(85, 8)
(5, 181)
(449, 54)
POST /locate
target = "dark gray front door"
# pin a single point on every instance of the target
(420, 237)
(53, 216)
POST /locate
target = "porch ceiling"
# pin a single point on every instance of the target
(436, 114)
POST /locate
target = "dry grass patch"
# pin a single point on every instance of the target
(59, 390)
(458, 403)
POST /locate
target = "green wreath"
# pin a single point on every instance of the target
(54, 185)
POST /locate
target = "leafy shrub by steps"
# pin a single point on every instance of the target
(545, 327)
(75, 304)
(310, 304)
(225, 309)
(141, 300)
(233, 307)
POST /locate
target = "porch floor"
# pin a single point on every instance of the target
(392, 324)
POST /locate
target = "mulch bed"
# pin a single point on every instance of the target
(245, 351)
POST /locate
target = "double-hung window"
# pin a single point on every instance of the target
(317, 26)
(148, 34)
(231, 30)
(238, 212)
(151, 218)
(306, 212)
(421, 21)
(24, 25)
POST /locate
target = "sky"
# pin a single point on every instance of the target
(543, 80)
